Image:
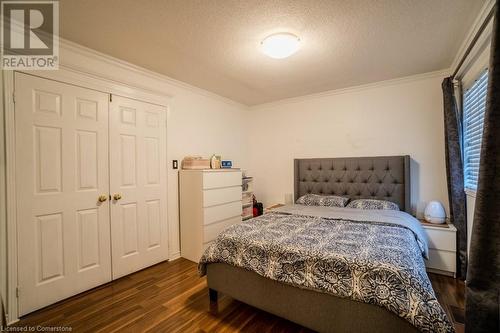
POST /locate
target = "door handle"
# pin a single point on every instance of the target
(117, 196)
(102, 198)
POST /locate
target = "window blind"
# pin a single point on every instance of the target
(474, 105)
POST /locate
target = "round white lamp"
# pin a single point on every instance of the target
(435, 213)
(280, 45)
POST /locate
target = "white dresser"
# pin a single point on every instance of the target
(210, 200)
(442, 249)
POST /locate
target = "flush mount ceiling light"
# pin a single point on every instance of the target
(280, 45)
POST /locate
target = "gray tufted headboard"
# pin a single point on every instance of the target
(381, 177)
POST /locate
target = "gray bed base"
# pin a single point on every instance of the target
(315, 310)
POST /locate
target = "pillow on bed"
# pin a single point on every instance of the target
(372, 204)
(322, 200)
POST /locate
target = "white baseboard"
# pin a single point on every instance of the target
(175, 255)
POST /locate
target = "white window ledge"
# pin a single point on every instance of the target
(470, 193)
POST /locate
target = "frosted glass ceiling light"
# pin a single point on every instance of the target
(281, 45)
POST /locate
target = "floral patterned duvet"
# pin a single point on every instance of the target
(366, 261)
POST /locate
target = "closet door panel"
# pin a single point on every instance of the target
(138, 176)
(61, 170)
(88, 238)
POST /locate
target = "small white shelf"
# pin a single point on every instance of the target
(247, 198)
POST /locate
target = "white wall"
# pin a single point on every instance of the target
(397, 117)
(200, 125)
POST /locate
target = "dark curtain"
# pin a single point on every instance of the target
(455, 173)
(483, 280)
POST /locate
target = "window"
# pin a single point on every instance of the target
(474, 105)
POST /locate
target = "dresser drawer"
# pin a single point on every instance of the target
(221, 179)
(219, 196)
(211, 231)
(441, 239)
(442, 260)
(221, 212)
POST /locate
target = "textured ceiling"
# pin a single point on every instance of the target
(214, 44)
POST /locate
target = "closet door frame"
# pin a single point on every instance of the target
(114, 86)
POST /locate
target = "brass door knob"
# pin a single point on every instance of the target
(117, 196)
(102, 198)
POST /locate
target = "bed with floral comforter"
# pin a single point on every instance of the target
(375, 257)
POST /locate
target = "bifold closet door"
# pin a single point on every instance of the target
(61, 174)
(138, 179)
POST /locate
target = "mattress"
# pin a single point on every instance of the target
(375, 257)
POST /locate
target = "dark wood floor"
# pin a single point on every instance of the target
(170, 297)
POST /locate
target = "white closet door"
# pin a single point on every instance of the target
(61, 170)
(138, 178)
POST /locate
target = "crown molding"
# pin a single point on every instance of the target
(73, 64)
(472, 32)
(379, 84)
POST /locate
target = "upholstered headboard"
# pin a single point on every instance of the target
(381, 177)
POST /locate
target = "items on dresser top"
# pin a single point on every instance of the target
(215, 162)
(210, 201)
(200, 163)
(442, 248)
(195, 163)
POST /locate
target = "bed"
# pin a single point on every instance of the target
(333, 269)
